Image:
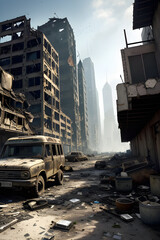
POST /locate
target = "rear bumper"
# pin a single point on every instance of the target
(9, 183)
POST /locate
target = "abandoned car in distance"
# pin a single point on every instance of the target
(76, 156)
(30, 161)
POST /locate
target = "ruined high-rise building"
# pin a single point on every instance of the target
(60, 34)
(83, 107)
(29, 56)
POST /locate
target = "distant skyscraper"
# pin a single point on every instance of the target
(93, 105)
(111, 138)
(60, 34)
(83, 107)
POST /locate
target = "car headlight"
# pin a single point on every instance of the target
(25, 175)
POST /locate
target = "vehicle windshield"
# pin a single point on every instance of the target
(22, 151)
(75, 153)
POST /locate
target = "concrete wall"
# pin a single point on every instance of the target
(147, 142)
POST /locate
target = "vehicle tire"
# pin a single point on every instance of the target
(59, 177)
(39, 187)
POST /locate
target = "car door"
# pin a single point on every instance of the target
(48, 160)
(55, 158)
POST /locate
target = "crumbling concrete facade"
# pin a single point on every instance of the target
(139, 97)
(29, 56)
(60, 34)
(83, 107)
(14, 117)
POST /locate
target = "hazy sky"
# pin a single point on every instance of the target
(98, 27)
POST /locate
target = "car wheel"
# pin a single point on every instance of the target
(39, 187)
(59, 177)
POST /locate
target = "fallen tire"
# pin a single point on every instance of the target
(59, 177)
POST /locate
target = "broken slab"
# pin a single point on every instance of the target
(4, 227)
(63, 224)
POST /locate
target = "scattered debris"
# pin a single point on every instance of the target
(116, 225)
(126, 217)
(34, 204)
(64, 224)
(124, 204)
(75, 200)
(100, 165)
(4, 227)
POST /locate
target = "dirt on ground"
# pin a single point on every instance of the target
(83, 199)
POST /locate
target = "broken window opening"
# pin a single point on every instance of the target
(33, 68)
(63, 125)
(56, 116)
(17, 35)
(47, 58)
(53, 102)
(56, 81)
(68, 121)
(20, 121)
(55, 56)
(17, 84)
(19, 105)
(18, 46)
(8, 117)
(57, 105)
(48, 111)
(17, 59)
(47, 46)
(33, 42)
(6, 39)
(35, 108)
(5, 61)
(16, 71)
(35, 81)
(47, 123)
(33, 55)
(57, 93)
(56, 69)
(48, 85)
(47, 98)
(5, 49)
(35, 94)
(6, 27)
(53, 65)
(57, 128)
(36, 122)
(18, 24)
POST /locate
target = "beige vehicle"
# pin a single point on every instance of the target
(30, 161)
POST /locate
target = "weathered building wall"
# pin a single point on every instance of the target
(83, 107)
(147, 143)
(29, 56)
(61, 35)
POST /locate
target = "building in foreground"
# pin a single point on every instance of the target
(83, 107)
(29, 56)
(138, 105)
(61, 36)
(93, 105)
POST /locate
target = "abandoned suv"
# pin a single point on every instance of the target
(29, 162)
